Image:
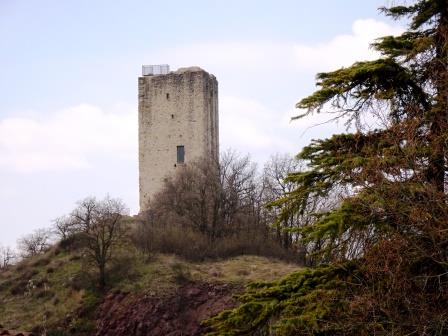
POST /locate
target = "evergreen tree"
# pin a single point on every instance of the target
(384, 249)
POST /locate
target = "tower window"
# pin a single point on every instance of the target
(180, 154)
(168, 96)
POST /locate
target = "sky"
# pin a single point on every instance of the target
(68, 86)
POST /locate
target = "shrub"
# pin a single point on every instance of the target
(123, 266)
(181, 273)
(44, 293)
(19, 287)
(214, 210)
(81, 280)
(196, 246)
(72, 242)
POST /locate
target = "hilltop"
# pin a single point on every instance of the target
(54, 293)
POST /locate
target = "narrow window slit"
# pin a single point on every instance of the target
(180, 154)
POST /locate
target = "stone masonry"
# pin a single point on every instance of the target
(178, 123)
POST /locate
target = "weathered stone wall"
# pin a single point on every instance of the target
(177, 109)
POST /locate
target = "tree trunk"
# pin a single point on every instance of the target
(102, 276)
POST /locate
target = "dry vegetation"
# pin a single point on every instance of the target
(53, 288)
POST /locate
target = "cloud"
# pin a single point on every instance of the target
(343, 50)
(68, 139)
(250, 127)
(267, 57)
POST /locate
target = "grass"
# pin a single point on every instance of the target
(242, 270)
(45, 290)
(38, 291)
(163, 273)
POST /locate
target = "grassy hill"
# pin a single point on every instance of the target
(55, 292)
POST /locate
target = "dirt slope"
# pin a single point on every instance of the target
(179, 314)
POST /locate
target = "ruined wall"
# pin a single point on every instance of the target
(176, 109)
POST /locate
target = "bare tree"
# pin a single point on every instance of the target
(238, 181)
(7, 257)
(216, 199)
(190, 198)
(276, 171)
(66, 226)
(83, 215)
(34, 243)
(102, 230)
(276, 184)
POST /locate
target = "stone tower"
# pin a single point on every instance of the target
(178, 123)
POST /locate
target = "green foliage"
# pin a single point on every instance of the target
(362, 83)
(422, 12)
(82, 326)
(299, 304)
(90, 301)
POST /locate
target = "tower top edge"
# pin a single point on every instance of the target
(164, 69)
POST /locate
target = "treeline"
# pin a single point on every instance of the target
(207, 210)
(226, 208)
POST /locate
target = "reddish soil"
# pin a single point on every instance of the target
(14, 333)
(180, 314)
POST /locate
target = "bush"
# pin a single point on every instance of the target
(123, 266)
(181, 273)
(42, 260)
(196, 246)
(19, 288)
(71, 243)
(82, 327)
(44, 293)
(214, 210)
(81, 280)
